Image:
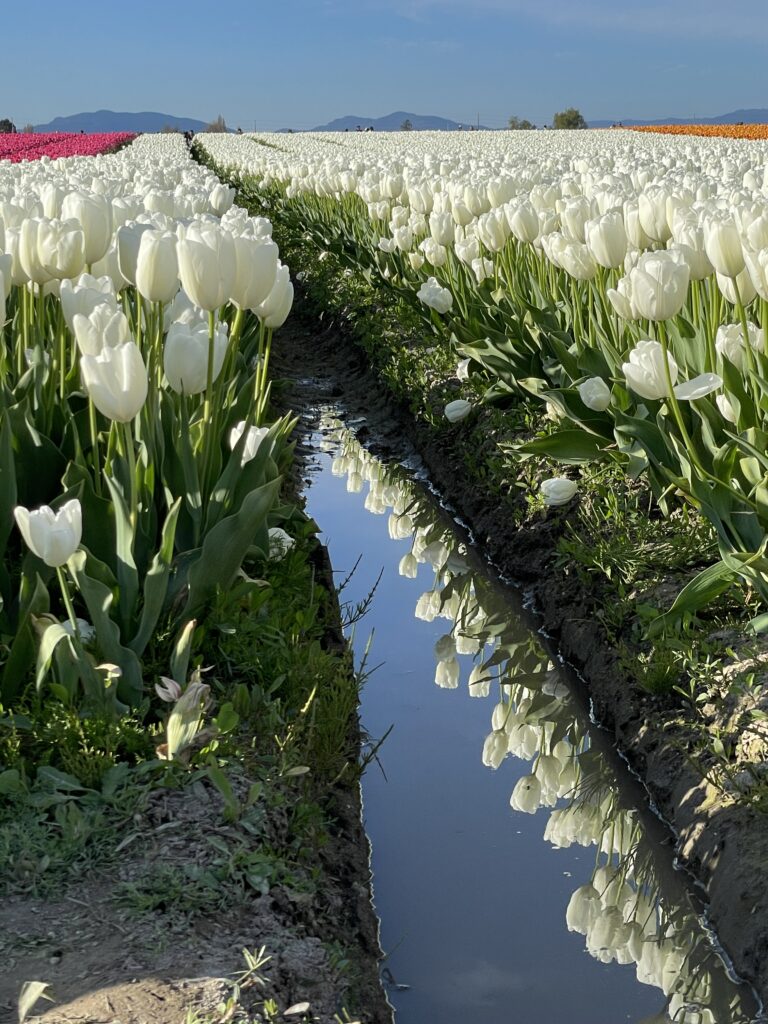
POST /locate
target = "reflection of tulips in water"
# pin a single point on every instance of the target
(621, 911)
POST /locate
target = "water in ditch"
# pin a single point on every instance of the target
(518, 876)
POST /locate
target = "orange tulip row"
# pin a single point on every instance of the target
(724, 131)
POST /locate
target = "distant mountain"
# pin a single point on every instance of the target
(113, 121)
(752, 116)
(391, 123)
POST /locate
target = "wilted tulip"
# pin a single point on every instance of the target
(558, 490)
(157, 271)
(645, 370)
(207, 264)
(52, 536)
(432, 294)
(185, 356)
(595, 394)
(116, 381)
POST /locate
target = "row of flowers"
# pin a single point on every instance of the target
(138, 306)
(711, 131)
(53, 145)
(620, 278)
(622, 909)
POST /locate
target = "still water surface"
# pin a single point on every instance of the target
(518, 877)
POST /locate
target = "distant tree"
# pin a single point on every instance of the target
(28, 129)
(516, 125)
(7, 127)
(407, 125)
(219, 125)
(570, 118)
(167, 129)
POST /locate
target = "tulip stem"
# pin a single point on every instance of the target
(64, 586)
(130, 455)
(95, 447)
(673, 403)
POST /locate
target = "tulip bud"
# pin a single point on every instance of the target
(595, 394)
(128, 242)
(457, 410)
(558, 490)
(256, 263)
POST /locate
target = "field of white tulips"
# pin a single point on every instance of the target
(621, 279)
(162, 625)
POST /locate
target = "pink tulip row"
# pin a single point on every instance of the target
(23, 146)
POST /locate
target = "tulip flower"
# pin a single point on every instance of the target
(83, 295)
(252, 442)
(729, 342)
(606, 239)
(185, 356)
(737, 290)
(280, 543)
(526, 795)
(94, 215)
(104, 327)
(274, 310)
(645, 370)
(558, 490)
(207, 264)
(52, 536)
(436, 297)
(726, 408)
(61, 247)
(457, 410)
(128, 242)
(256, 263)
(157, 272)
(595, 394)
(659, 284)
(116, 381)
(722, 242)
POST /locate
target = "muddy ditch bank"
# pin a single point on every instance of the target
(723, 844)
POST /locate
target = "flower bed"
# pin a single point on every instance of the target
(54, 145)
(711, 131)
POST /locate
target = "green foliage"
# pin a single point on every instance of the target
(517, 124)
(570, 118)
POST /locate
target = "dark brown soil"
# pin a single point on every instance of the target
(722, 843)
(106, 964)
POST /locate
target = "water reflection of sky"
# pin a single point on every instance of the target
(482, 918)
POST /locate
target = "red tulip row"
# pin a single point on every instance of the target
(30, 146)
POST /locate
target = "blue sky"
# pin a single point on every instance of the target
(297, 63)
